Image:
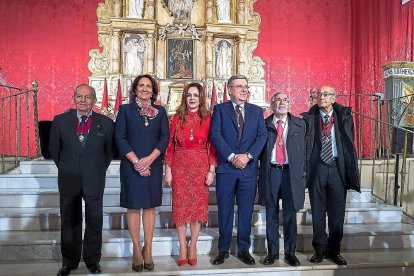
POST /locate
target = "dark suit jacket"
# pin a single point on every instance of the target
(295, 147)
(81, 169)
(344, 134)
(225, 138)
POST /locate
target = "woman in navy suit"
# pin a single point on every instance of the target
(142, 135)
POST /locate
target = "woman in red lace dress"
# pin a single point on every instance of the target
(190, 168)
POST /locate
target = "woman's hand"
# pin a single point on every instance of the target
(144, 163)
(168, 175)
(210, 178)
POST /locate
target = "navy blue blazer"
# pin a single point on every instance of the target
(225, 138)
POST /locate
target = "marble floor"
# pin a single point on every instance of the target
(372, 263)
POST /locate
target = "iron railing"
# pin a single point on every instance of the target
(19, 125)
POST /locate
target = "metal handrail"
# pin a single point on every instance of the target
(12, 104)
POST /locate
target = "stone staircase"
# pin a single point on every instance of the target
(376, 240)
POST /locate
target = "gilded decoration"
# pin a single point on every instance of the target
(177, 41)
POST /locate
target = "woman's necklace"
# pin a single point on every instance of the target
(191, 123)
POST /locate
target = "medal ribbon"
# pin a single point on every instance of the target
(85, 128)
(326, 128)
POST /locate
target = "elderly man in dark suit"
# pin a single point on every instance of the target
(332, 169)
(282, 176)
(238, 133)
(81, 147)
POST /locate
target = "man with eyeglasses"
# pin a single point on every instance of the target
(81, 147)
(238, 133)
(282, 176)
(331, 170)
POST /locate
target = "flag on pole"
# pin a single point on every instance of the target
(213, 97)
(118, 101)
(225, 99)
(104, 106)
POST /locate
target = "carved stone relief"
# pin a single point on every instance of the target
(213, 39)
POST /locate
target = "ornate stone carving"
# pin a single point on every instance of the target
(182, 29)
(99, 63)
(222, 45)
(104, 10)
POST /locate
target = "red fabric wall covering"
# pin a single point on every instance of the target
(47, 41)
(303, 43)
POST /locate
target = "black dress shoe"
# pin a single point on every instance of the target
(64, 271)
(246, 258)
(317, 258)
(95, 269)
(220, 258)
(292, 260)
(270, 259)
(338, 259)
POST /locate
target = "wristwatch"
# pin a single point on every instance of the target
(250, 156)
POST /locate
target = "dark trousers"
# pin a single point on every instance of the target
(229, 187)
(71, 230)
(280, 188)
(327, 196)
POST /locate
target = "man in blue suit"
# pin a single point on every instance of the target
(239, 134)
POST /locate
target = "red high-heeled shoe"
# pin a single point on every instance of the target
(191, 261)
(181, 262)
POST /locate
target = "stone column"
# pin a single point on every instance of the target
(209, 55)
(115, 53)
(209, 11)
(240, 12)
(241, 43)
(150, 52)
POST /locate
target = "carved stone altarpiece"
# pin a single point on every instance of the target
(176, 41)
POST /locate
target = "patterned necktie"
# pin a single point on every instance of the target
(326, 152)
(280, 144)
(240, 121)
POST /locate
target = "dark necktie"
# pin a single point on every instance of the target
(83, 132)
(82, 123)
(326, 152)
(240, 121)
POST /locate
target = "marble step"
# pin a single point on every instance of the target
(47, 198)
(367, 263)
(24, 219)
(29, 245)
(49, 167)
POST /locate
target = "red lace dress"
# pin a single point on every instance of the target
(189, 160)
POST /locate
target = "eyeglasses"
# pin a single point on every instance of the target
(240, 87)
(279, 100)
(83, 97)
(324, 95)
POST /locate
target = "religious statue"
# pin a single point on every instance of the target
(136, 8)
(134, 56)
(223, 59)
(223, 10)
(180, 9)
